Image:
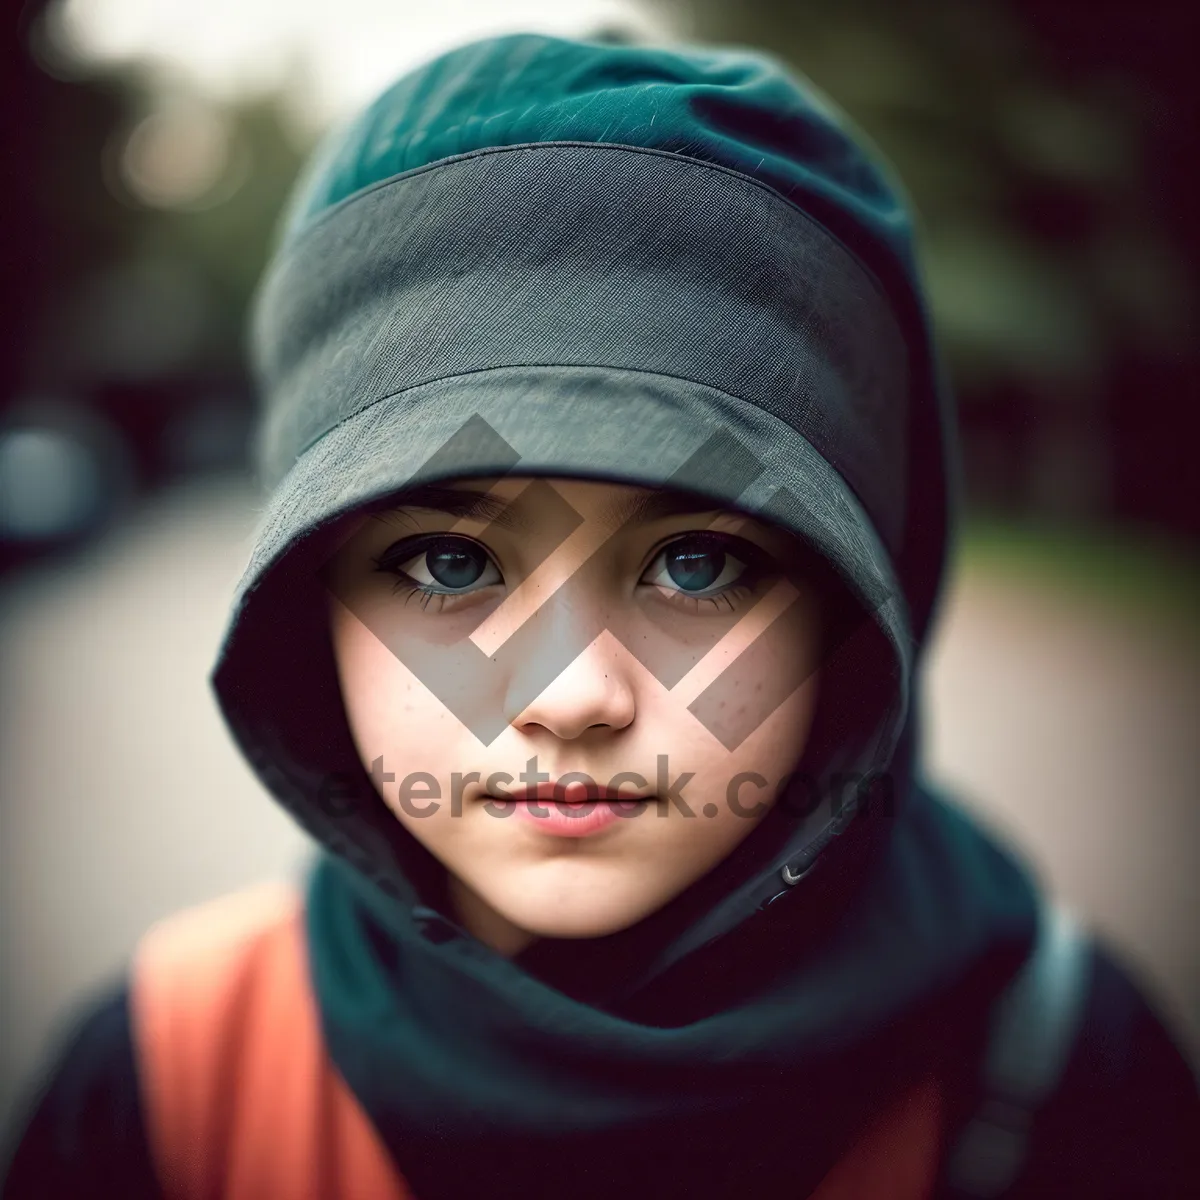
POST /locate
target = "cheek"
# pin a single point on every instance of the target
(731, 791)
(387, 707)
(771, 753)
(756, 724)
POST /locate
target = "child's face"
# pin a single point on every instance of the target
(670, 585)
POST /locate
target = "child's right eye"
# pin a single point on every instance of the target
(439, 565)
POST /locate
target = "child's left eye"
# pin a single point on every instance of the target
(698, 565)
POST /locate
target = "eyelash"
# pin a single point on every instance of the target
(403, 552)
(755, 561)
(727, 598)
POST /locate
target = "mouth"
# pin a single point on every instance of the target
(575, 793)
(572, 810)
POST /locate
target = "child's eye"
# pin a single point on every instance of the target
(440, 565)
(699, 565)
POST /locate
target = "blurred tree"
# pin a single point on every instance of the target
(140, 221)
(1061, 266)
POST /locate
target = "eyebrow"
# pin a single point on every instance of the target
(640, 508)
(645, 507)
(453, 502)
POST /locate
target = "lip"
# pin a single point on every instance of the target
(551, 814)
(574, 792)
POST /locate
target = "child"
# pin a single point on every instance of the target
(610, 472)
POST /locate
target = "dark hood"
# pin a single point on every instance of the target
(657, 267)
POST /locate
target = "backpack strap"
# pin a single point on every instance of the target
(241, 1100)
(1032, 1031)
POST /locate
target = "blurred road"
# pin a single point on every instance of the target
(1068, 729)
(1073, 728)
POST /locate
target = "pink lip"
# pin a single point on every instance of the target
(552, 814)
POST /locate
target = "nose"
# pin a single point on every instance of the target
(593, 692)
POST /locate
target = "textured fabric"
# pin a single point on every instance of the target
(673, 268)
(597, 256)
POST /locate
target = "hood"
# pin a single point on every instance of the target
(666, 267)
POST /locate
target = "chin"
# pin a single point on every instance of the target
(576, 921)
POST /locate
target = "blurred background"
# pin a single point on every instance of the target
(148, 146)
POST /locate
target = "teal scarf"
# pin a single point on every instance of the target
(751, 1068)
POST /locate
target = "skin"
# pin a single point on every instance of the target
(605, 712)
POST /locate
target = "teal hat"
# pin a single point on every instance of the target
(537, 208)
